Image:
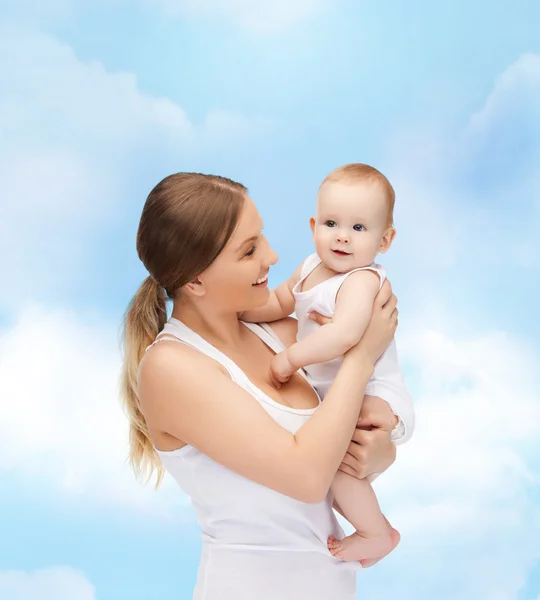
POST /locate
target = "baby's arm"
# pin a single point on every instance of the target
(280, 304)
(354, 305)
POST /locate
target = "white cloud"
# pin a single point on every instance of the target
(53, 583)
(485, 391)
(517, 89)
(460, 491)
(62, 425)
(455, 189)
(504, 135)
(260, 17)
(464, 491)
(72, 137)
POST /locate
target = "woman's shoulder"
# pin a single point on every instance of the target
(173, 361)
(285, 329)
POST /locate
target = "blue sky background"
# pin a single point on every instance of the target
(101, 100)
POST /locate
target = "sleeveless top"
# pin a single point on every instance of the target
(387, 381)
(257, 544)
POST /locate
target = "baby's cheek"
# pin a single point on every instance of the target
(372, 245)
(322, 240)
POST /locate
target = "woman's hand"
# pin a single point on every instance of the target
(381, 328)
(371, 449)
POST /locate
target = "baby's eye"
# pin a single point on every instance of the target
(359, 227)
(330, 223)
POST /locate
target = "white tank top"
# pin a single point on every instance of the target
(387, 381)
(257, 544)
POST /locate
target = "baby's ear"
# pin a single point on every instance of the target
(312, 224)
(387, 239)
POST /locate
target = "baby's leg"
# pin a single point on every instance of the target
(369, 562)
(373, 537)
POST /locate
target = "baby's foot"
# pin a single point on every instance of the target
(369, 562)
(357, 548)
(334, 545)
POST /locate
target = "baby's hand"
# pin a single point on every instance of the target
(281, 369)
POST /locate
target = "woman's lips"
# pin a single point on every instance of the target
(262, 281)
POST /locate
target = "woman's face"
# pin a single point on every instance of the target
(238, 279)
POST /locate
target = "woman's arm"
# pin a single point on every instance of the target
(391, 392)
(371, 449)
(187, 395)
(280, 303)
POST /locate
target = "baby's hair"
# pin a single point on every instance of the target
(361, 172)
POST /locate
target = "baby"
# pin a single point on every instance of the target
(353, 223)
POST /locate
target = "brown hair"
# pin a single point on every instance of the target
(361, 172)
(185, 223)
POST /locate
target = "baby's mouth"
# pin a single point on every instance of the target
(341, 253)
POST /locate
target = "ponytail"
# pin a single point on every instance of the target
(144, 319)
(187, 220)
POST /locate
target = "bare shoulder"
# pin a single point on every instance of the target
(360, 282)
(165, 355)
(166, 366)
(286, 330)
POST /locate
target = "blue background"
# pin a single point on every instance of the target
(101, 100)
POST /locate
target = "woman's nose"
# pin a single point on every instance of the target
(272, 257)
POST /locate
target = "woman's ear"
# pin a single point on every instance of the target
(195, 287)
(387, 239)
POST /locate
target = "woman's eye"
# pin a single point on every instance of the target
(330, 223)
(251, 251)
(359, 228)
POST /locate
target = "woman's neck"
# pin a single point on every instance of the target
(222, 330)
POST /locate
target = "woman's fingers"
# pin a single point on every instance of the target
(350, 460)
(390, 305)
(357, 473)
(361, 437)
(385, 293)
(386, 300)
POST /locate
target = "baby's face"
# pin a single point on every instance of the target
(351, 221)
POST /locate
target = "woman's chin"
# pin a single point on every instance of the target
(259, 297)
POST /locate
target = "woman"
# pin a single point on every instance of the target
(257, 462)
